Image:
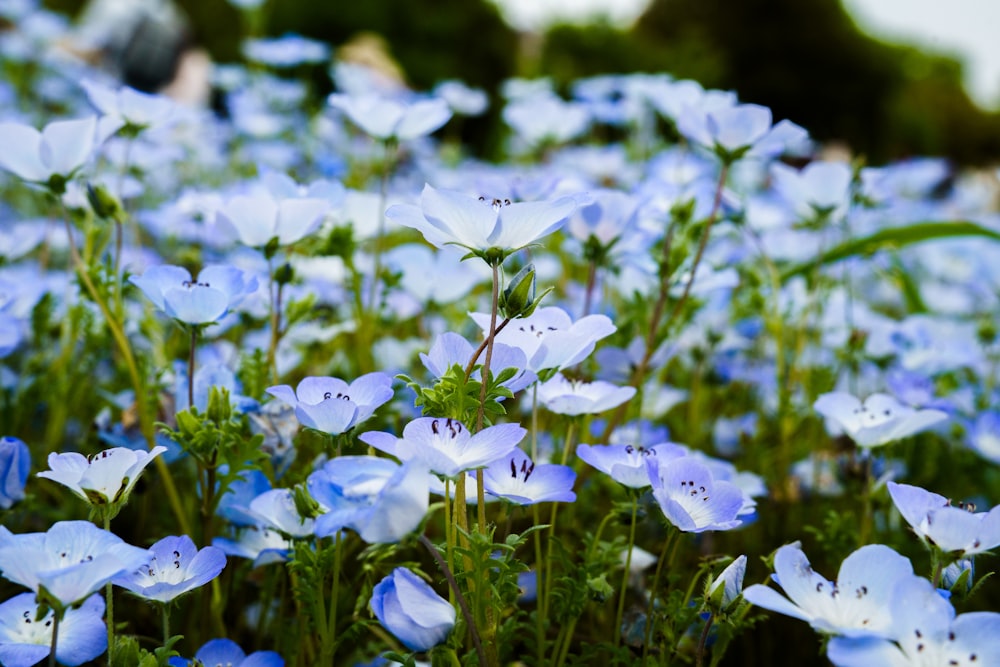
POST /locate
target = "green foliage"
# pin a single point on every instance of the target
(127, 653)
(457, 397)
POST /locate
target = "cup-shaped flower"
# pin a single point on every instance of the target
(691, 498)
(857, 604)
(70, 561)
(383, 118)
(409, 608)
(15, 463)
(104, 479)
(175, 567)
(259, 543)
(550, 338)
(517, 479)
(49, 157)
(133, 109)
(445, 446)
(924, 631)
(377, 498)
(742, 130)
(626, 464)
(569, 397)
(728, 586)
(203, 301)
(227, 652)
(881, 419)
(331, 405)
(25, 640)
(488, 227)
(259, 217)
(958, 531)
(276, 509)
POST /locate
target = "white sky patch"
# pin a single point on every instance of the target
(968, 29)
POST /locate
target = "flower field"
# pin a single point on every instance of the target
(300, 382)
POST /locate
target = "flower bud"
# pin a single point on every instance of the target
(727, 586)
(105, 204)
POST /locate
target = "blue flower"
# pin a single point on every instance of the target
(445, 446)
(881, 419)
(379, 499)
(923, 631)
(203, 301)
(51, 156)
(107, 478)
(691, 498)
(15, 463)
(410, 609)
(175, 567)
(571, 397)
(517, 479)
(742, 130)
(226, 652)
(331, 405)
(626, 464)
(856, 605)
(384, 118)
(25, 641)
(481, 224)
(70, 561)
(954, 530)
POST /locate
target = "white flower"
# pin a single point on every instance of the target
(879, 420)
(107, 478)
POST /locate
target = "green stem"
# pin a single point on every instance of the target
(194, 346)
(672, 536)
(109, 599)
(463, 605)
(867, 510)
(145, 425)
(552, 523)
(628, 564)
(703, 641)
(274, 294)
(567, 641)
(165, 608)
(330, 647)
(55, 637)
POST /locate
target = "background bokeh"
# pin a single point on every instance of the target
(808, 61)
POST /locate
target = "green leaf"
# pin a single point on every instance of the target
(890, 239)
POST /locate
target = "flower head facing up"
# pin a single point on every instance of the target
(175, 567)
(569, 397)
(49, 157)
(204, 300)
(742, 130)
(445, 446)
(690, 498)
(70, 561)
(105, 479)
(954, 530)
(881, 419)
(855, 605)
(410, 609)
(227, 653)
(519, 480)
(25, 639)
(626, 464)
(333, 406)
(488, 227)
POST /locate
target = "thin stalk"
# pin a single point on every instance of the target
(449, 535)
(165, 609)
(672, 536)
(703, 641)
(482, 346)
(639, 374)
(628, 564)
(55, 638)
(539, 589)
(389, 157)
(552, 522)
(567, 640)
(463, 605)
(274, 297)
(867, 508)
(194, 345)
(330, 644)
(484, 373)
(109, 600)
(591, 284)
(125, 349)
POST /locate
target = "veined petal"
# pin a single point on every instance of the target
(523, 223)
(67, 144)
(21, 155)
(466, 220)
(196, 304)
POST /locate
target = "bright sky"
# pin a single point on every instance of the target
(969, 29)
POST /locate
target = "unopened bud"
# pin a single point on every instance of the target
(105, 204)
